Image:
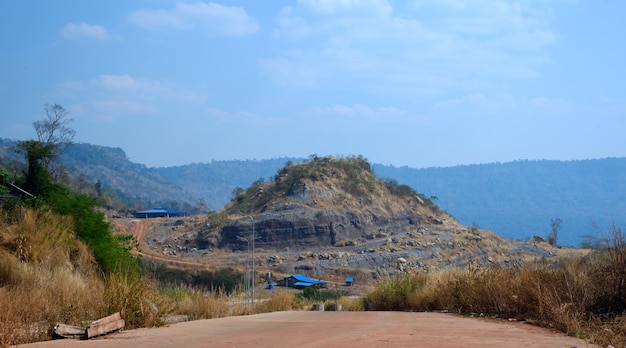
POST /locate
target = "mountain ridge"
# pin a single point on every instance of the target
(515, 199)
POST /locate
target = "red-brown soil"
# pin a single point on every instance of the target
(334, 329)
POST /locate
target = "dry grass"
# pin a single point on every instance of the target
(278, 301)
(197, 304)
(584, 296)
(353, 304)
(48, 276)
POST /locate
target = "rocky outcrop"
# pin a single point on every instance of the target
(302, 227)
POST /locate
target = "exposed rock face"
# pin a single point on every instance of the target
(304, 227)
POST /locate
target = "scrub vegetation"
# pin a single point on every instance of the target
(583, 297)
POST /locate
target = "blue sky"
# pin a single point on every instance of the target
(409, 83)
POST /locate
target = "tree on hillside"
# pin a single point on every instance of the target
(53, 130)
(38, 178)
(53, 135)
(4, 178)
(555, 226)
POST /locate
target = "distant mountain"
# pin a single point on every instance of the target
(216, 180)
(516, 199)
(135, 185)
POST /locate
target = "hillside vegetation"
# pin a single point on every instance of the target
(329, 183)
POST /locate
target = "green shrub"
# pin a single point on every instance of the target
(92, 228)
(311, 293)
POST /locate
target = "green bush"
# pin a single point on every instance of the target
(311, 293)
(92, 228)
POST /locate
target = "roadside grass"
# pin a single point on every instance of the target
(583, 297)
(46, 275)
(198, 304)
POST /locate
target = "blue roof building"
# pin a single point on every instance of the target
(158, 212)
(299, 281)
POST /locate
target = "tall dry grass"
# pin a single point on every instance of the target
(199, 304)
(585, 297)
(48, 276)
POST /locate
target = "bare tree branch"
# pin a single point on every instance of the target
(54, 131)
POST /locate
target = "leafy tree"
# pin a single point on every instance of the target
(98, 187)
(4, 178)
(236, 192)
(38, 179)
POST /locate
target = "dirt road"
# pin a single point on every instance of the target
(139, 232)
(334, 329)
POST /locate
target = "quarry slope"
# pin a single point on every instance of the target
(331, 217)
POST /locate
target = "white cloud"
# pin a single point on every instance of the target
(140, 88)
(117, 82)
(430, 46)
(477, 102)
(360, 111)
(125, 106)
(118, 95)
(215, 19)
(291, 73)
(238, 117)
(552, 105)
(379, 7)
(80, 31)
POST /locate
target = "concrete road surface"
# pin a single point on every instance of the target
(333, 329)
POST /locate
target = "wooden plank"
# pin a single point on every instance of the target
(105, 325)
(108, 319)
(104, 328)
(69, 331)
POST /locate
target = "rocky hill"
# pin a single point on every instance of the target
(326, 202)
(332, 216)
